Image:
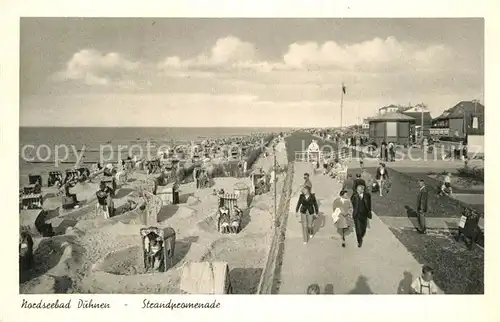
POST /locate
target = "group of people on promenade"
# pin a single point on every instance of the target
(356, 211)
(359, 205)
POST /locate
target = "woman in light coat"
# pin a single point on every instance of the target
(344, 206)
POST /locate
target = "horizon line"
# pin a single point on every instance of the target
(185, 127)
(146, 126)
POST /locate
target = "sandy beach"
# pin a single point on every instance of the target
(91, 254)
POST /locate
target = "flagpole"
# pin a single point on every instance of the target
(342, 106)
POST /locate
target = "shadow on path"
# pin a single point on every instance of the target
(328, 289)
(404, 286)
(362, 286)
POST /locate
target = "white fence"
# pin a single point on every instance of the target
(305, 156)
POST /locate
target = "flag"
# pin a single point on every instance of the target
(343, 88)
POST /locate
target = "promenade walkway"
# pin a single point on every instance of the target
(381, 266)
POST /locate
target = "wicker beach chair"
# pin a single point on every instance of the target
(228, 214)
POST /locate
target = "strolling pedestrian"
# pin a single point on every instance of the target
(381, 176)
(422, 206)
(307, 206)
(357, 181)
(424, 284)
(392, 151)
(307, 181)
(362, 211)
(326, 161)
(342, 210)
(383, 151)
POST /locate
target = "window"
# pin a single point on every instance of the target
(475, 122)
(392, 129)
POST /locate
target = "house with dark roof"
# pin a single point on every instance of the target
(466, 117)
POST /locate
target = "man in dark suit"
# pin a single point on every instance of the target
(362, 211)
(358, 181)
(422, 202)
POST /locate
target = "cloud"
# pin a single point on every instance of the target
(389, 55)
(227, 52)
(373, 55)
(231, 57)
(385, 69)
(95, 68)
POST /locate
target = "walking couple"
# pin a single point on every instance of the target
(353, 211)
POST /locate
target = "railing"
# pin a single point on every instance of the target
(268, 276)
(305, 156)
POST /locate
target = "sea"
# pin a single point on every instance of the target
(41, 146)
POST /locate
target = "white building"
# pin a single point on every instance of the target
(388, 109)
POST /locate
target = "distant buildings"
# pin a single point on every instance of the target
(402, 123)
(388, 109)
(466, 117)
(420, 113)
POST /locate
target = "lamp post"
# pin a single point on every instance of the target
(422, 106)
(275, 188)
(464, 122)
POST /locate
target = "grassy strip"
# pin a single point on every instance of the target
(457, 270)
(402, 198)
(434, 185)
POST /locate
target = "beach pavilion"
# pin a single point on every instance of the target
(391, 126)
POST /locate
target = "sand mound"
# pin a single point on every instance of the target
(228, 183)
(208, 224)
(128, 261)
(47, 284)
(56, 259)
(244, 277)
(175, 212)
(192, 201)
(90, 224)
(104, 283)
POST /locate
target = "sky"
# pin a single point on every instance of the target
(242, 72)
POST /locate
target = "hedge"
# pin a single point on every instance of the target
(471, 172)
(451, 139)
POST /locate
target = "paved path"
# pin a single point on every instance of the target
(378, 267)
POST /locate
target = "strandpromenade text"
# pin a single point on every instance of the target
(91, 304)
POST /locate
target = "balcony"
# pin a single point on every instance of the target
(439, 131)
